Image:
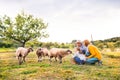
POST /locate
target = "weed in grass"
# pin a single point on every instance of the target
(29, 72)
(68, 75)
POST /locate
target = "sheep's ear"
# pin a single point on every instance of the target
(31, 48)
(39, 48)
(69, 51)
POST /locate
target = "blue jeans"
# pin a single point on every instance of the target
(92, 60)
(78, 61)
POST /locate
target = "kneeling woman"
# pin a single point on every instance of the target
(94, 55)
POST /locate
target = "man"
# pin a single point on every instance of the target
(79, 55)
(93, 54)
(80, 45)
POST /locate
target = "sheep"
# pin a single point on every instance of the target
(59, 53)
(22, 52)
(42, 52)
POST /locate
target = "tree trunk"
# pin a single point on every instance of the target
(23, 44)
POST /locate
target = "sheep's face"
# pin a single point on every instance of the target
(40, 50)
(69, 51)
(30, 50)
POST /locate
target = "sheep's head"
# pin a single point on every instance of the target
(30, 49)
(69, 51)
(40, 50)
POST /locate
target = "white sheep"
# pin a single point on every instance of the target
(42, 52)
(22, 52)
(59, 53)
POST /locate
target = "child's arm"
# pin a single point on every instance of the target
(75, 54)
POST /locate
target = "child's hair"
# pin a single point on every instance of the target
(78, 49)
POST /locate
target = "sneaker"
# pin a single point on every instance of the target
(99, 63)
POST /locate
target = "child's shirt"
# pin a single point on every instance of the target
(80, 55)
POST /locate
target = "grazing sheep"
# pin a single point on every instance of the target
(42, 52)
(22, 52)
(59, 53)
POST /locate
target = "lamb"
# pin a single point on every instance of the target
(42, 52)
(59, 53)
(22, 52)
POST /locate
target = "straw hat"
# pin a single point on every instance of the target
(78, 42)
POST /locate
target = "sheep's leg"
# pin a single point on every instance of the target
(50, 58)
(56, 59)
(18, 57)
(24, 59)
(44, 57)
(20, 60)
(60, 58)
(39, 58)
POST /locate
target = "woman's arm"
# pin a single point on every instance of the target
(92, 51)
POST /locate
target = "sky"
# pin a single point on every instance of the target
(70, 19)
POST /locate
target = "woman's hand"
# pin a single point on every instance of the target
(87, 58)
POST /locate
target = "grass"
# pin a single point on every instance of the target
(33, 70)
(113, 54)
(7, 50)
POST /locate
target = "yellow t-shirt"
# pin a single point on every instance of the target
(95, 53)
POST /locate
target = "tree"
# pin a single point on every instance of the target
(23, 28)
(73, 41)
(100, 45)
(117, 44)
(111, 46)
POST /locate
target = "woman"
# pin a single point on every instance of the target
(93, 54)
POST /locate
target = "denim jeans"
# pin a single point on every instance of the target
(78, 60)
(92, 60)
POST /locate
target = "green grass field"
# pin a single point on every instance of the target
(33, 70)
(7, 50)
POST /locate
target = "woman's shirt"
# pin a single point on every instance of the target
(94, 52)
